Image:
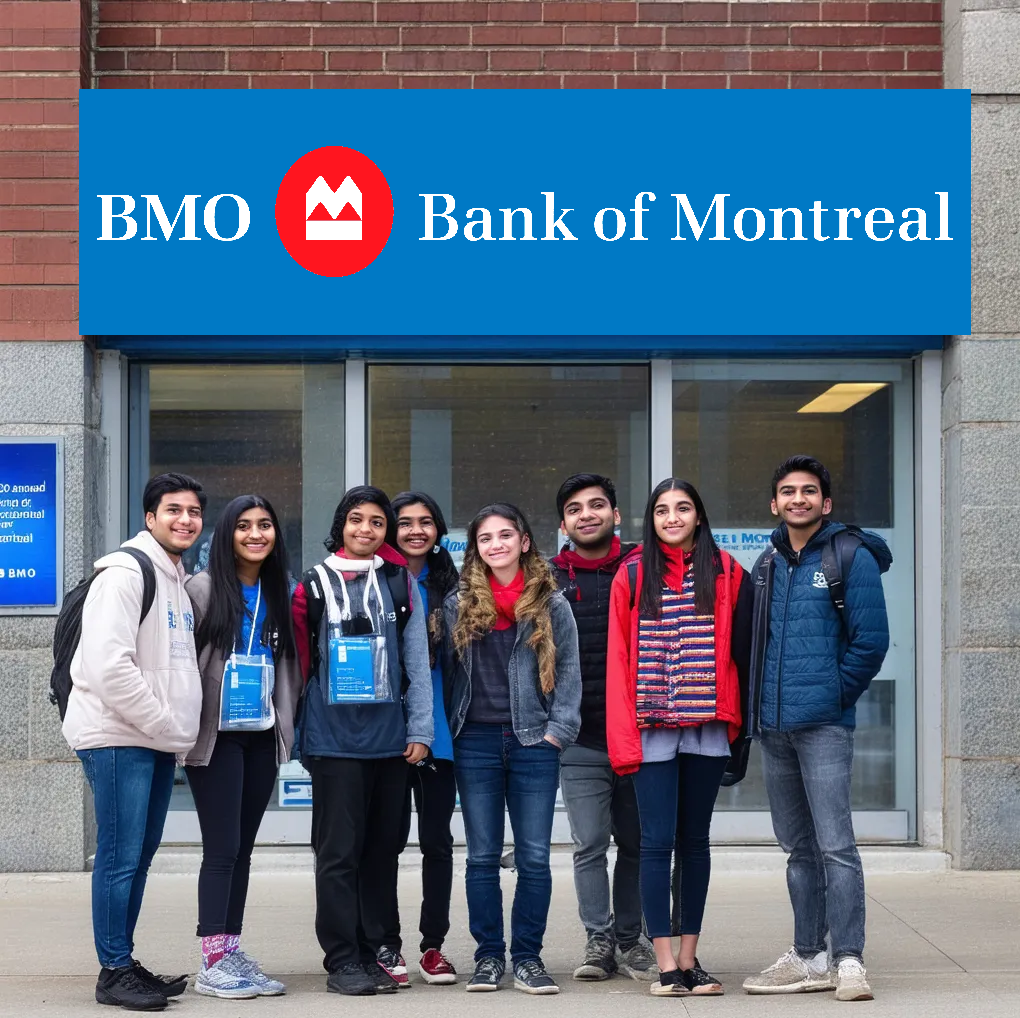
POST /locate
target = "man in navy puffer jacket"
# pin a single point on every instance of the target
(810, 665)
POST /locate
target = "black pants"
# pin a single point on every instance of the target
(231, 795)
(434, 789)
(356, 826)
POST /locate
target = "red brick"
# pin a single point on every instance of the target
(6, 250)
(44, 192)
(842, 35)
(276, 60)
(41, 139)
(639, 81)
(61, 165)
(778, 12)
(589, 35)
(511, 11)
(60, 275)
(299, 81)
(716, 60)
(696, 81)
(591, 12)
(758, 81)
(515, 60)
(281, 35)
(61, 112)
(282, 10)
(436, 35)
(200, 35)
(861, 60)
(784, 60)
(40, 59)
(62, 87)
(110, 60)
(844, 12)
(125, 81)
(60, 220)
(912, 35)
(643, 36)
(567, 60)
(517, 35)
(434, 81)
(45, 304)
(912, 11)
(350, 12)
(912, 81)
(348, 60)
(47, 13)
(927, 60)
(108, 38)
(430, 14)
(768, 35)
(436, 60)
(203, 81)
(588, 81)
(6, 305)
(201, 60)
(706, 35)
(43, 250)
(19, 220)
(355, 81)
(43, 37)
(337, 35)
(659, 60)
(519, 81)
(150, 60)
(834, 81)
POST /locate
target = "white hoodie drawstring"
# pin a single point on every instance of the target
(371, 582)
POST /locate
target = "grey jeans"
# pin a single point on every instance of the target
(807, 776)
(600, 803)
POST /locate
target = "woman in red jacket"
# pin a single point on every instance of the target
(679, 649)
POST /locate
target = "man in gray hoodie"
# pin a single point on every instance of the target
(135, 701)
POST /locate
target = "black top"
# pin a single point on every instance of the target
(490, 681)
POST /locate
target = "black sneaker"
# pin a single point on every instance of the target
(700, 983)
(169, 986)
(670, 984)
(531, 977)
(381, 979)
(599, 960)
(123, 987)
(488, 973)
(352, 980)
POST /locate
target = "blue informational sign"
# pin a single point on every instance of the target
(525, 213)
(31, 525)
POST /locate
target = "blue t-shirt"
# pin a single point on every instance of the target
(257, 647)
(442, 742)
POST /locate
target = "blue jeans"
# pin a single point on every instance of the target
(676, 799)
(807, 777)
(131, 787)
(496, 773)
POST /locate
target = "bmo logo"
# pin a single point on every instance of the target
(225, 217)
(17, 574)
(334, 211)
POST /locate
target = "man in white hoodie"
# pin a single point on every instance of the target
(135, 702)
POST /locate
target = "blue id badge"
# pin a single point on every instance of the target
(246, 693)
(358, 670)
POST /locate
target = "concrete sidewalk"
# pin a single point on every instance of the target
(944, 944)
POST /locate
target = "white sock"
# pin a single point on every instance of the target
(819, 964)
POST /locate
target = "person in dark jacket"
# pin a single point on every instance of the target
(420, 529)
(600, 803)
(358, 732)
(809, 668)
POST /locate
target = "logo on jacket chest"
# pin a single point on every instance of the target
(819, 580)
(177, 620)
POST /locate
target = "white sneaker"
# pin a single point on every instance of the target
(793, 974)
(852, 981)
(217, 981)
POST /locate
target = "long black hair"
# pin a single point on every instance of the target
(354, 497)
(706, 564)
(221, 624)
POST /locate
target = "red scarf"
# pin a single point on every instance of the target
(570, 560)
(506, 598)
(677, 563)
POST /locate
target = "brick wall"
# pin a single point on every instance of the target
(393, 44)
(41, 69)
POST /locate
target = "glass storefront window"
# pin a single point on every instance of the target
(733, 423)
(472, 434)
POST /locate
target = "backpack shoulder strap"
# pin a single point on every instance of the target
(398, 579)
(837, 558)
(315, 598)
(632, 581)
(148, 579)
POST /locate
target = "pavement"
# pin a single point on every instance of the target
(939, 944)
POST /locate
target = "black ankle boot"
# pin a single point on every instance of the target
(123, 987)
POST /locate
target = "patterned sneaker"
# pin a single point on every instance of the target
(380, 977)
(852, 981)
(435, 968)
(669, 984)
(169, 986)
(394, 964)
(638, 962)
(531, 977)
(219, 981)
(351, 980)
(793, 974)
(700, 983)
(599, 960)
(488, 973)
(245, 965)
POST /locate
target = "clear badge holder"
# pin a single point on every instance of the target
(247, 688)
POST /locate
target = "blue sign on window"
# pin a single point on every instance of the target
(31, 525)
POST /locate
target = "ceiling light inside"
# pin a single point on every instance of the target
(841, 397)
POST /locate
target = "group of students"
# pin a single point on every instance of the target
(631, 676)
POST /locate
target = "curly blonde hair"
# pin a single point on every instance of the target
(476, 607)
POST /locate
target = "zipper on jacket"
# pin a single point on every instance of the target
(782, 648)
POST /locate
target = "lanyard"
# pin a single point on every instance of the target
(255, 615)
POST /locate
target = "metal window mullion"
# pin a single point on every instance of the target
(355, 423)
(660, 417)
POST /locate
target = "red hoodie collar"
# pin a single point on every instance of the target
(570, 560)
(677, 562)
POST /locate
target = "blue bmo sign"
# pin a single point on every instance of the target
(31, 525)
(525, 212)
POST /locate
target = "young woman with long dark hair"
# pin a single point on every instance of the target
(676, 681)
(516, 702)
(245, 641)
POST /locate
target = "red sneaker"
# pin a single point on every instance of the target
(435, 968)
(394, 965)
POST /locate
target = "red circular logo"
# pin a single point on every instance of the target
(334, 211)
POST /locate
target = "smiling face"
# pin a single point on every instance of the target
(675, 519)
(254, 536)
(500, 545)
(364, 530)
(177, 522)
(799, 502)
(417, 532)
(589, 519)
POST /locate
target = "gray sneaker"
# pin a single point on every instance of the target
(219, 981)
(247, 966)
(852, 981)
(638, 962)
(599, 960)
(793, 974)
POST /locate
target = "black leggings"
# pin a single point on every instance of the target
(231, 795)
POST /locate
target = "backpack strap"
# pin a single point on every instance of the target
(632, 581)
(398, 579)
(837, 558)
(148, 579)
(315, 596)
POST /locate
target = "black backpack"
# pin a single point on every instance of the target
(67, 633)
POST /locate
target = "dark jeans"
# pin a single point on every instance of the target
(601, 803)
(676, 799)
(231, 794)
(131, 787)
(496, 773)
(356, 825)
(434, 789)
(807, 776)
